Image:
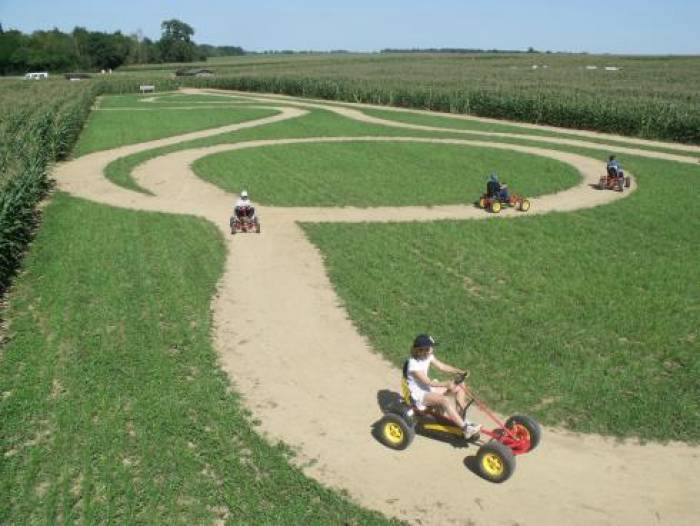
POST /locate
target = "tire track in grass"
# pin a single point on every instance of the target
(313, 381)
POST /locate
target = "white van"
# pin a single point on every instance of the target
(36, 75)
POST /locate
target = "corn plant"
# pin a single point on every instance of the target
(39, 123)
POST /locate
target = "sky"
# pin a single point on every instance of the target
(594, 26)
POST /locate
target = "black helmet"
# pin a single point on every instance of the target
(423, 341)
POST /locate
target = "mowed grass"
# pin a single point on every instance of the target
(112, 406)
(155, 100)
(109, 129)
(587, 320)
(378, 173)
(317, 123)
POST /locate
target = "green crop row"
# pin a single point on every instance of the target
(650, 97)
(632, 116)
(39, 123)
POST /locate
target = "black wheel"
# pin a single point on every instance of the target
(395, 433)
(627, 182)
(525, 427)
(257, 228)
(495, 462)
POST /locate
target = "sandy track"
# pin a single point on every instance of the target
(311, 379)
(320, 103)
(347, 111)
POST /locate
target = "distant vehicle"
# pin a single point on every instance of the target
(37, 75)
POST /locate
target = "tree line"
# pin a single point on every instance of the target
(83, 50)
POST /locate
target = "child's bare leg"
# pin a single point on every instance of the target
(438, 400)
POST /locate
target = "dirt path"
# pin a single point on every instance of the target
(315, 383)
(346, 109)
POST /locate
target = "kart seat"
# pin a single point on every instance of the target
(406, 394)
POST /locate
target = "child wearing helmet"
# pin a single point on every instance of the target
(244, 207)
(426, 392)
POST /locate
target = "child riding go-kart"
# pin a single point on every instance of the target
(497, 195)
(244, 218)
(615, 178)
(495, 459)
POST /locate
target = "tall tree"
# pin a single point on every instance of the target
(107, 51)
(50, 50)
(10, 42)
(176, 43)
(81, 38)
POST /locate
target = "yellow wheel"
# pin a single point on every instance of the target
(482, 202)
(495, 207)
(495, 462)
(525, 205)
(395, 432)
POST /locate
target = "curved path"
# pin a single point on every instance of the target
(346, 110)
(291, 350)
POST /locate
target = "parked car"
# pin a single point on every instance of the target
(36, 75)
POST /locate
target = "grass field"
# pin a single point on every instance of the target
(109, 129)
(587, 320)
(594, 263)
(113, 407)
(169, 99)
(318, 123)
(372, 174)
(559, 285)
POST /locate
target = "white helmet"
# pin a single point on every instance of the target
(244, 195)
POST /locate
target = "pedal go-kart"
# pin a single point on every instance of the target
(495, 459)
(613, 180)
(495, 204)
(244, 220)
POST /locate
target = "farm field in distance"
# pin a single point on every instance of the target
(646, 96)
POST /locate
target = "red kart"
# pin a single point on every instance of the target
(244, 220)
(495, 459)
(614, 180)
